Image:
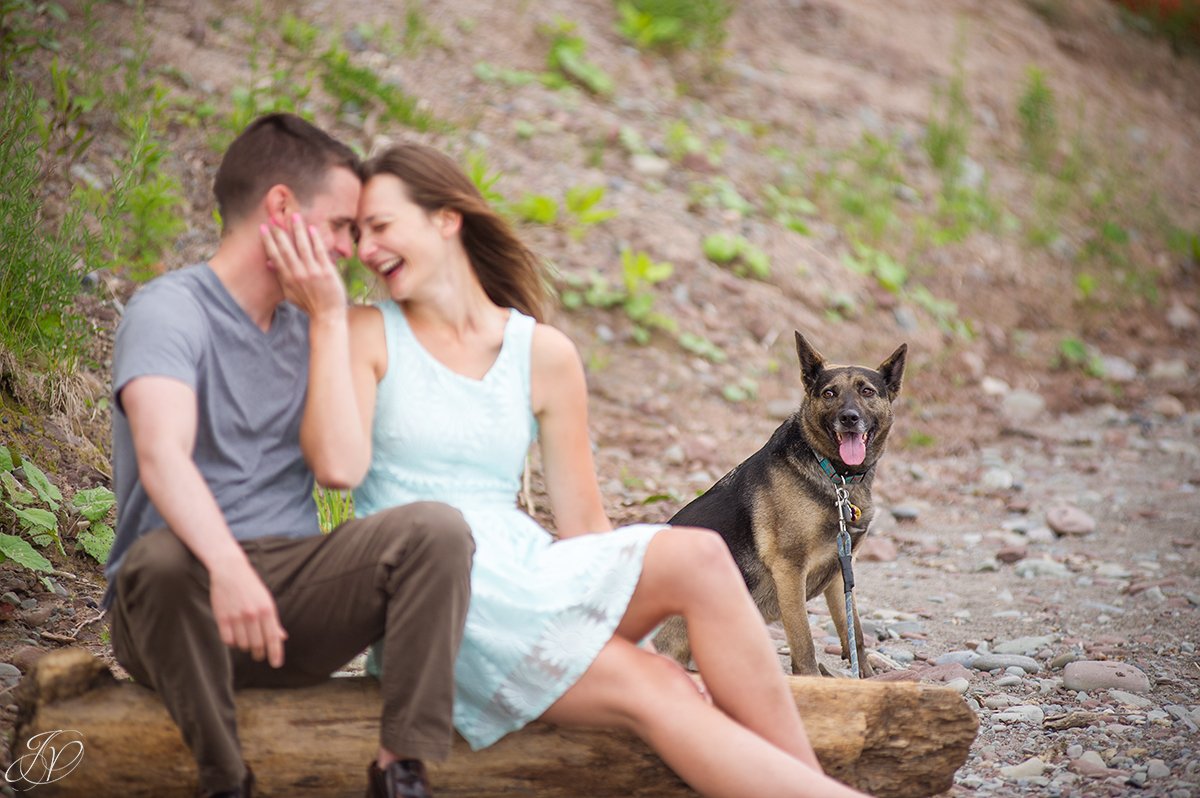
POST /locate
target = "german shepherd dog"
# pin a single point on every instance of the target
(777, 511)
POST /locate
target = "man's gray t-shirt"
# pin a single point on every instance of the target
(250, 387)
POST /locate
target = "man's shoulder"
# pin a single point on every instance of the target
(175, 295)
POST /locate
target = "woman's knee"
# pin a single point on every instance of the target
(697, 557)
(658, 686)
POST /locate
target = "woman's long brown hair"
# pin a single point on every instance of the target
(511, 274)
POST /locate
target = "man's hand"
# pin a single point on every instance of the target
(310, 280)
(245, 612)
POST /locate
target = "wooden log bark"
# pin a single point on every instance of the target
(894, 740)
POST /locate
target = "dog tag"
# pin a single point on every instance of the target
(851, 512)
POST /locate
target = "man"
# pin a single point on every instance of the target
(219, 576)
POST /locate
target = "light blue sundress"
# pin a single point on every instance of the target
(540, 609)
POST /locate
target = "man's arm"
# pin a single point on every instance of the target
(162, 420)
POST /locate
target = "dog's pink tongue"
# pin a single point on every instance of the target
(852, 448)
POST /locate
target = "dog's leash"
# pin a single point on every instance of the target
(846, 513)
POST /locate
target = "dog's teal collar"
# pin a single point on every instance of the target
(833, 474)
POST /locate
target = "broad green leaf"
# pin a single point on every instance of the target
(94, 503)
(38, 481)
(15, 492)
(6, 461)
(35, 519)
(19, 551)
(97, 541)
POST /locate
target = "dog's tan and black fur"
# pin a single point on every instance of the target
(777, 511)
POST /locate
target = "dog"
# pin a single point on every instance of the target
(777, 510)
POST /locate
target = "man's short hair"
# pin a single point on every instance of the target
(277, 149)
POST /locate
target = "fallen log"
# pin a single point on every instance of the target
(894, 740)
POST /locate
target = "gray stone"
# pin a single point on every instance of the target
(959, 685)
(1067, 519)
(964, 658)
(1095, 675)
(990, 662)
(1173, 369)
(1025, 713)
(1025, 645)
(1009, 681)
(1167, 407)
(1089, 764)
(675, 455)
(1129, 699)
(1112, 570)
(1021, 406)
(1036, 567)
(9, 675)
(1118, 369)
(997, 479)
(1157, 769)
(1182, 715)
(999, 701)
(1181, 317)
(1026, 770)
(650, 165)
(1040, 534)
(905, 512)
(993, 386)
(1154, 595)
(1074, 751)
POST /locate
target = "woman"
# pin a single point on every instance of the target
(453, 376)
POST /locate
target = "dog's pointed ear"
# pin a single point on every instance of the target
(811, 363)
(892, 370)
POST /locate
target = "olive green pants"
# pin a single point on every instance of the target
(401, 576)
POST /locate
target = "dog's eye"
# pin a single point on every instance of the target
(868, 391)
(828, 393)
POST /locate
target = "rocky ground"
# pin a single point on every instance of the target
(1034, 520)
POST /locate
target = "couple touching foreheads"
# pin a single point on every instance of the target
(240, 380)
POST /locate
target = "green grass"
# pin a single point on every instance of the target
(40, 260)
(674, 25)
(1039, 119)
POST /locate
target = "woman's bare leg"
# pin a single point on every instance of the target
(689, 572)
(647, 694)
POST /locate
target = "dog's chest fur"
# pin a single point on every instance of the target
(806, 532)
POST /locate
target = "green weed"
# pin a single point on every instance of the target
(726, 249)
(567, 57)
(699, 345)
(949, 123)
(670, 25)
(536, 208)
(484, 178)
(743, 389)
(789, 210)
(34, 506)
(334, 507)
(583, 211)
(1074, 353)
(27, 26)
(635, 296)
(889, 273)
(39, 262)
(1039, 124)
(359, 89)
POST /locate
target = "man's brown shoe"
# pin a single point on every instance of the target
(404, 778)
